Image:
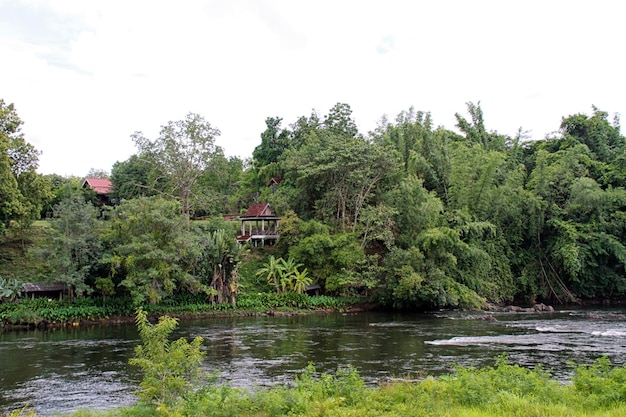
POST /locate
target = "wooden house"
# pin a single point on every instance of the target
(102, 187)
(51, 291)
(273, 183)
(259, 225)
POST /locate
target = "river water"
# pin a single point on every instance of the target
(63, 370)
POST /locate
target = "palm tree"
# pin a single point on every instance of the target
(301, 280)
(290, 268)
(273, 271)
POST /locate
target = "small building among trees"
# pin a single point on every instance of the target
(259, 225)
(45, 290)
(102, 187)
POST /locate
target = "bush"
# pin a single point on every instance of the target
(85, 308)
(170, 368)
(601, 384)
(476, 387)
(73, 313)
(22, 314)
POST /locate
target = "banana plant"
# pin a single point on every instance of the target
(10, 289)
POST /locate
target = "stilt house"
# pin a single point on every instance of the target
(259, 225)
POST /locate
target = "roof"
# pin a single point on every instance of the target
(99, 185)
(259, 210)
(274, 181)
(32, 287)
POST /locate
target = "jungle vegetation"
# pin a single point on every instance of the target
(411, 215)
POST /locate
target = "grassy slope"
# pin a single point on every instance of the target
(15, 259)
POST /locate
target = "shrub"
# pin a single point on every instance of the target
(170, 368)
(23, 314)
(476, 387)
(601, 384)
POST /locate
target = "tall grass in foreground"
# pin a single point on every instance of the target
(501, 390)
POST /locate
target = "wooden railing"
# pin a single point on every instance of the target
(262, 232)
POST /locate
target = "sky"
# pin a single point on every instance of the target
(85, 75)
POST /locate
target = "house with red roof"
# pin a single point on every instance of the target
(259, 225)
(102, 187)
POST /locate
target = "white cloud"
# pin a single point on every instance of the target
(85, 75)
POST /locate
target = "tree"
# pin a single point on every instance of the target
(377, 226)
(415, 209)
(219, 261)
(340, 175)
(170, 368)
(475, 131)
(602, 138)
(285, 274)
(339, 121)
(97, 173)
(63, 188)
(75, 248)
(106, 287)
(10, 204)
(475, 176)
(35, 191)
(424, 151)
(289, 232)
(147, 244)
(133, 178)
(272, 270)
(218, 186)
(334, 260)
(300, 280)
(22, 190)
(274, 141)
(406, 134)
(289, 269)
(423, 276)
(180, 155)
(303, 128)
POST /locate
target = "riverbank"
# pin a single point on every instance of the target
(44, 313)
(501, 390)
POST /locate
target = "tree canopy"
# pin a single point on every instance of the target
(179, 156)
(23, 192)
(413, 214)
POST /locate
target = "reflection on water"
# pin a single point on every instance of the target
(66, 369)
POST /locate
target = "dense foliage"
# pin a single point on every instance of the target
(23, 192)
(412, 214)
(49, 312)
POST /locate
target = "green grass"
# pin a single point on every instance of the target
(502, 390)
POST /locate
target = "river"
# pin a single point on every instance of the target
(63, 370)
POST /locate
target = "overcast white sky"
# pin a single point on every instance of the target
(85, 75)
